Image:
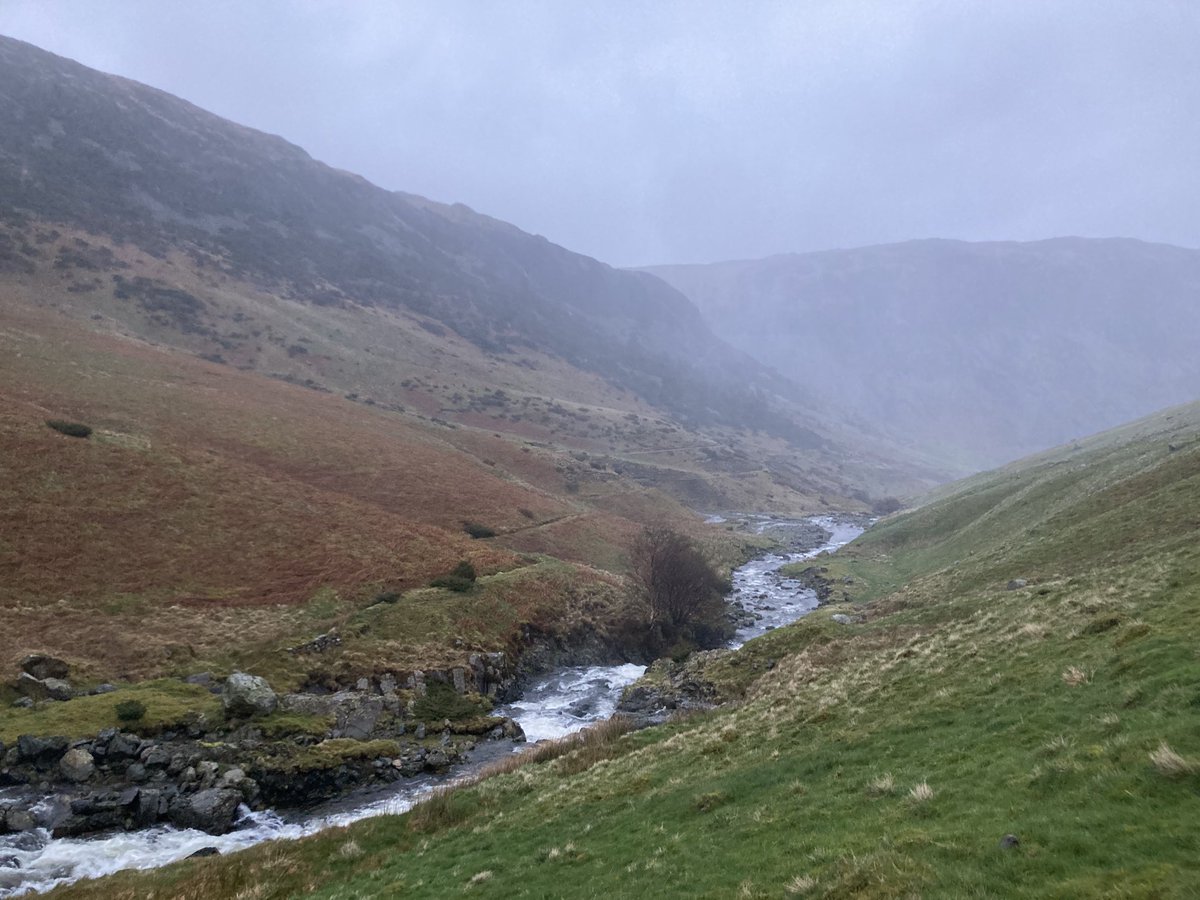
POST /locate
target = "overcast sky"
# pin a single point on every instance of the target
(646, 132)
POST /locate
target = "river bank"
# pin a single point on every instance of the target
(551, 705)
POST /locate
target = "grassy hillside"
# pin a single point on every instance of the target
(138, 212)
(215, 516)
(886, 758)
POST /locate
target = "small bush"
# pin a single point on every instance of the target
(453, 583)
(441, 702)
(130, 710)
(475, 530)
(71, 429)
(462, 579)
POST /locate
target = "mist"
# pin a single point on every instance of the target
(694, 132)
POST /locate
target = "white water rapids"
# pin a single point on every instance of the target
(553, 706)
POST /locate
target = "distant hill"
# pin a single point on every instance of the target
(979, 352)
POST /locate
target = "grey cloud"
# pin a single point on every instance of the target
(681, 132)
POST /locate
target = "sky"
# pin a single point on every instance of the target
(671, 132)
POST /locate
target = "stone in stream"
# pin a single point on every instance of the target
(213, 810)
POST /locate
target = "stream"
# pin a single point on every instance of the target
(552, 706)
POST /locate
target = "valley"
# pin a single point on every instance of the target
(319, 501)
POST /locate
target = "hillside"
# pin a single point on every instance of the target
(979, 353)
(1012, 713)
(143, 215)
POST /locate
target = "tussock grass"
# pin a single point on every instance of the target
(1169, 763)
(920, 792)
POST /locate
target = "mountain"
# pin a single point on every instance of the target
(1004, 705)
(977, 352)
(143, 215)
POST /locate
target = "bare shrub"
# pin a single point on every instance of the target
(683, 592)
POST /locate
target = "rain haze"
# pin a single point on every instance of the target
(693, 132)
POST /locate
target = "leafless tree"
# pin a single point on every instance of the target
(679, 584)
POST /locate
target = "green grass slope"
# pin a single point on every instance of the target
(887, 758)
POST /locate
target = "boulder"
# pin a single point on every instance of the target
(213, 810)
(246, 696)
(16, 819)
(41, 751)
(1016, 584)
(41, 666)
(356, 714)
(77, 765)
(32, 688)
(57, 689)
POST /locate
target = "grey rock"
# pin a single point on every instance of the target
(204, 679)
(245, 696)
(356, 714)
(16, 819)
(135, 772)
(156, 757)
(843, 619)
(212, 810)
(23, 702)
(41, 751)
(307, 704)
(104, 688)
(1009, 841)
(203, 852)
(31, 687)
(363, 684)
(122, 746)
(77, 765)
(1016, 584)
(57, 689)
(42, 666)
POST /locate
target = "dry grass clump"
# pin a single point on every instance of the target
(1169, 763)
(480, 878)
(882, 785)
(350, 850)
(585, 747)
(920, 793)
(801, 884)
(1075, 676)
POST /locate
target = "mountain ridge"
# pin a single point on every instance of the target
(984, 351)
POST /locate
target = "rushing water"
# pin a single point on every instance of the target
(773, 599)
(555, 705)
